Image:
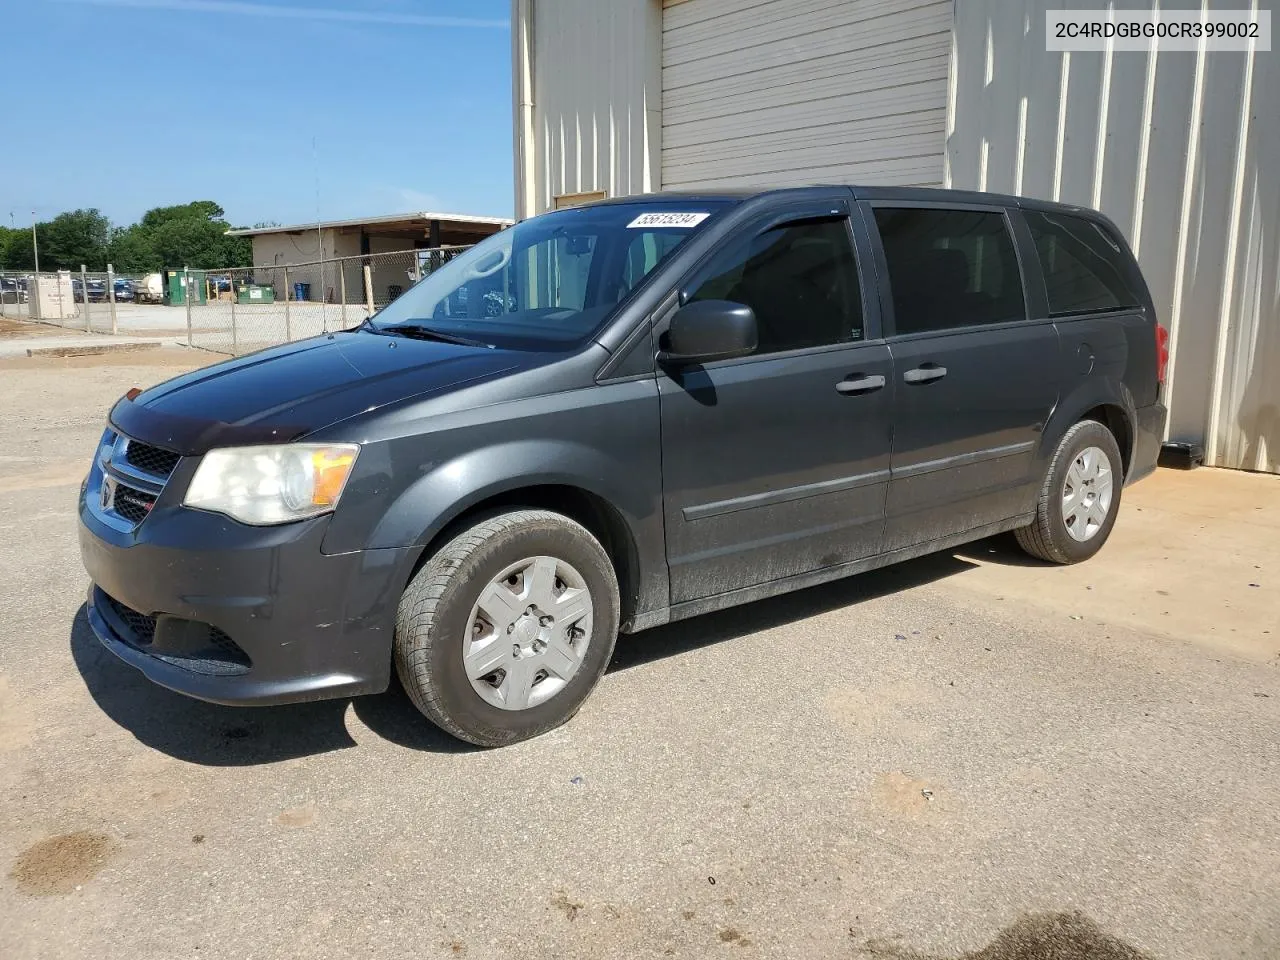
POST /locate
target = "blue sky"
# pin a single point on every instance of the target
(126, 105)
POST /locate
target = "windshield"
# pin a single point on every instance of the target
(550, 282)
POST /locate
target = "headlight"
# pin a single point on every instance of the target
(273, 484)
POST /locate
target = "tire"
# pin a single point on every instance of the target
(1050, 536)
(442, 626)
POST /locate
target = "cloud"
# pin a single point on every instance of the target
(239, 8)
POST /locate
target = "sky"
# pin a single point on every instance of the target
(281, 111)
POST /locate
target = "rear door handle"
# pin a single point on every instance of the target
(925, 373)
(857, 384)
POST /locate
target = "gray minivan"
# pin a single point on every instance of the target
(611, 417)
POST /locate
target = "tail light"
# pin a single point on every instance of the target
(1162, 353)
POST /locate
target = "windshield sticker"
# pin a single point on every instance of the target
(684, 220)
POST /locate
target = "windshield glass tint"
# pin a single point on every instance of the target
(551, 281)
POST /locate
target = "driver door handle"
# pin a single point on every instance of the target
(925, 373)
(856, 384)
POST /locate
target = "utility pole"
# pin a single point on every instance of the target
(34, 291)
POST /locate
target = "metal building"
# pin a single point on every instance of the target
(1181, 149)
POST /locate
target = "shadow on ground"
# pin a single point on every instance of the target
(212, 735)
(685, 635)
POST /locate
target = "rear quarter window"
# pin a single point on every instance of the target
(1086, 269)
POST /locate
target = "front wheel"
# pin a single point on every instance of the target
(1080, 497)
(508, 627)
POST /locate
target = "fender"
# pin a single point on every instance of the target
(456, 486)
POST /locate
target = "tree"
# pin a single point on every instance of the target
(194, 234)
(189, 234)
(197, 210)
(15, 249)
(130, 250)
(75, 238)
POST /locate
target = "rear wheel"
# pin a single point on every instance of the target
(508, 627)
(1080, 497)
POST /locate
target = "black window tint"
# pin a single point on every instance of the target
(950, 268)
(801, 280)
(1085, 268)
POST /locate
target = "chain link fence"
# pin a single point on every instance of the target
(232, 311)
(245, 309)
(79, 300)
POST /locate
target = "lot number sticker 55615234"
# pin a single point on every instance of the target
(651, 220)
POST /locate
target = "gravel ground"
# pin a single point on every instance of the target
(963, 756)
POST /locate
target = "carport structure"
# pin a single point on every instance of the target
(308, 243)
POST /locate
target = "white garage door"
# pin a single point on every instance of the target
(786, 92)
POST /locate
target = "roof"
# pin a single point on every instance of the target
(860, 192)
(406, 219)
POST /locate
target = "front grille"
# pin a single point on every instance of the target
(190, 644)
(130, 478)
(133, 505)
(208, 666)
(151, 459)
(222, 643)
(143, 627)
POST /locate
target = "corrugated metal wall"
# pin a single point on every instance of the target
(597, 97)
(783, 92)
(1182, 150)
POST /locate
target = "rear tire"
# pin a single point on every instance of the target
(1080, 497)
(508, 627)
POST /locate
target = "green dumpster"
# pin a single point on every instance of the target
(175, 287)
(254, 293)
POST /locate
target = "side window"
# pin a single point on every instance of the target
(553, 272)
(645, 251)
(800, 279)
(1085, 268)
(950, 268)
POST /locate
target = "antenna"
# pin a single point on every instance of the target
(324, 299)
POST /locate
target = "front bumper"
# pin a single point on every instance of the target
(310, 626)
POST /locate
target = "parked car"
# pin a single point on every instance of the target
(13, 290)
(96, 286)
(125, 290)
(688, 402)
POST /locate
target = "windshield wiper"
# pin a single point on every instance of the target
(420, 332)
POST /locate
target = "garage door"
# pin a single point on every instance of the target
(764, 92)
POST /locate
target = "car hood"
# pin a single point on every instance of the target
(287, 392)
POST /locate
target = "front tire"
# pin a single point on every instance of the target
(1080, 498)
(508, 627)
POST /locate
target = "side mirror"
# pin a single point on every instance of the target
(709, 330)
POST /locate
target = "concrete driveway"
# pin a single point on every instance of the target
(966, 755)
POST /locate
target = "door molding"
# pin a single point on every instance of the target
(786, 495)
(961, 459)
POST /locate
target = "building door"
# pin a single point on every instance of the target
(791, 92)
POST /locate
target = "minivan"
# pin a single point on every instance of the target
(611, 417)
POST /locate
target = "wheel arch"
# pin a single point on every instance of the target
(1113, 417)
(594, 512)
(620, 507)
(1108, 402)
